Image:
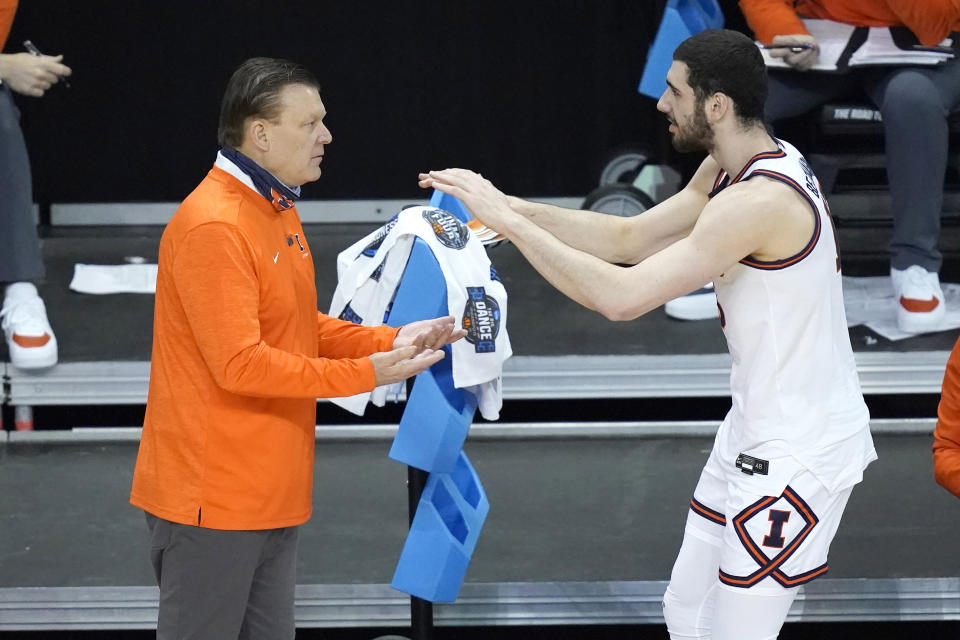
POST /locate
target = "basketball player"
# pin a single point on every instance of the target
(753, 221)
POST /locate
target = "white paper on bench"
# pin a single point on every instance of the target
(114, 278)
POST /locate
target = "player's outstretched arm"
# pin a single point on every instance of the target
(401, 363)
(614, 239)
(599, 234)
(732, 231)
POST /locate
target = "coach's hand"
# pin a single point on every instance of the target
(401, 363)
(432, 334)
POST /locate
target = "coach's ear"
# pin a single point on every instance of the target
(257, 133)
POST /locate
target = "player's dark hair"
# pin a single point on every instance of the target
(728, 62)
(254, 92)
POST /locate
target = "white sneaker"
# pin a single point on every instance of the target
(698, 305)
(920, 303)
(29, 336)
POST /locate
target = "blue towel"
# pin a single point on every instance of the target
(681, 19)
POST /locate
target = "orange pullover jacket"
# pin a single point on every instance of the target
(946, 437)
(240, 354)
(930, 20)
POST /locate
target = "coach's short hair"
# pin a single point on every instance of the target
(254, 92)
(720, 60)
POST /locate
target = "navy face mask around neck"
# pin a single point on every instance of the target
(280, 195)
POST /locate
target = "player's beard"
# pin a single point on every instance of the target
(697, 136)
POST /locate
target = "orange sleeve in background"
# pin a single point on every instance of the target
(769, 18)
(946, 437)
(930, 20)
(8, 8)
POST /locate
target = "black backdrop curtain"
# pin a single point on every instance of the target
(532, 94)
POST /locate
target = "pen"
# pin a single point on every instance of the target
(32, 49)
(794, 48)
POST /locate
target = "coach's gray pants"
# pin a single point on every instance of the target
(220, 585)
(19, 246)
(915, 103)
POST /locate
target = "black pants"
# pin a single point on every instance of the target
(19, 246)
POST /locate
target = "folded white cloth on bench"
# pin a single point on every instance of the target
(114, 278)
(870, 301)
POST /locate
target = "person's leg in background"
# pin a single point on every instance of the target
(794, 93)
(27, 331)
(916, 103)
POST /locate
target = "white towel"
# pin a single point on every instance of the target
(369, 272)
(114, 278)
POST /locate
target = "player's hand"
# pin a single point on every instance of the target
(487, 203)
(429, 334)
(32, 75)
(800, 60)
(399, 364)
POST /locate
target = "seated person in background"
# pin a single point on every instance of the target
(946, 437)
(23, 316)
(915, 103)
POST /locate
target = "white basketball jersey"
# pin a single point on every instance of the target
(794, 383)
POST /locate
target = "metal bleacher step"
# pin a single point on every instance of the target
(485, 604)
(872, 206)
(524, 378)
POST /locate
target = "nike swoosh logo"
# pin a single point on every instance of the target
(275, 257)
